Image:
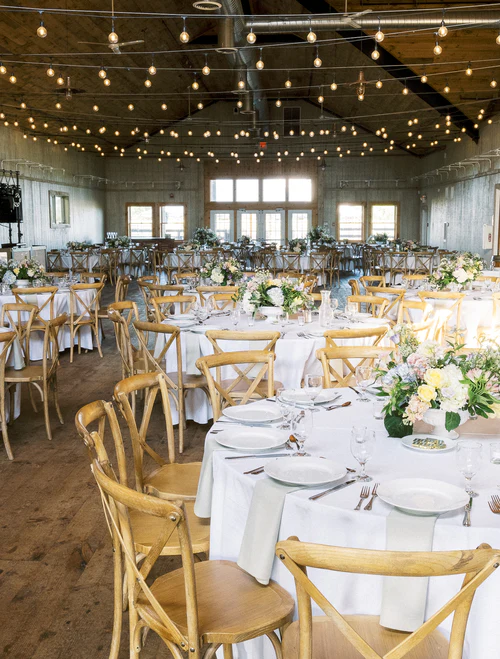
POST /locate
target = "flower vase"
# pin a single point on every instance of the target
(22, 283)
(437, 418)
(325, 310)
(271, 314)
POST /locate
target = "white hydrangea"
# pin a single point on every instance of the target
(277, 297)
(217, 276)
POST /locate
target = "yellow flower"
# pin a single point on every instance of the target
(495, 411)
(16, 271)
(426, 393)
(433, 377)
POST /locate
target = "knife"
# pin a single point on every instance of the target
(258, 455)
(335, 488)
(355, 390)
(468, 508)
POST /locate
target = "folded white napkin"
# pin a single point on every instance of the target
(203, 503)
(404, 598)
(262, 528)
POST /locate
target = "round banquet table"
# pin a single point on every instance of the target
(295, 355)
(332, 520)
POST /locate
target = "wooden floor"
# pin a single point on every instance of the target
(55, 560)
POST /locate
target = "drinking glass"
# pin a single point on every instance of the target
(250, 319)
(378, 409)
(235, 316)
(302, 319)
(364, 377)
(314, 386)
(350, 309)
(203, 314)
(286, 409)
(495, 455)
(334, 303)
(469, 458)
(362, 448)
(301, 429)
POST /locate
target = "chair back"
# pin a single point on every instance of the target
(318, 261)
(421, 309)
(423, 262)
(166, 337)
(79, 261)
(267, 338)
(354, 284)
(157, 290)
(121, 288)
(55, 262)
(19, 318)
(411, 277)
(206, 291)
(50, 361)
(309, 283)
(265, 259)
(45, 305)
(221, 301)
(376, 334)
(84, 307)
(6, 341)
(163, 305)
(188, 276)
(394, 297)
(185, 262)
(337, 361)
(122, 314)
(93, 277)
(290, 261)
(477, 565)
(372, 280)
(447, 307)
(242, 363)
(144, 287)
(373, 304)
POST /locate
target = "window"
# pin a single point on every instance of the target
(221, 223)
(59, 209)
(384, 219)
(140, 221)
(221, 189)
(274, 189)
(299, 189)
(247, 189)
(300, 222)
(172, 222)
(273, 226)
(248, 225)
(350, 222)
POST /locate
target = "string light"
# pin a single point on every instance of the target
(112, 36)
(311, 37)
(239, 104)
(50, 71)
(379, 35)
(152, 69)
(260, 62)
(288, 82)
(405, 90)
(147, 83)
(130, 107)
(498, 39)
(317, 60)
(437, 48)
(334, 86)
(493, 83)
(443, 30)
(58, 106)
(200, 106)
(423, 79)
(379, 84)
(102, 73)
(184, 36)
(95, 107)
(195, 84)
(164, 106)
(278, 102)
(60, 81)
(375, 52)
(206, 69)
(13, 79)
(251, 37)
(107, 82)
(42, 30)
(468, 70)
(241, 82)
(3, 69)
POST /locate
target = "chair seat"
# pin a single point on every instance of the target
(178, 479)
(241, 388)
(147, 528)
(330, 643)
(30, 373)
(232, 606)
(189, 381)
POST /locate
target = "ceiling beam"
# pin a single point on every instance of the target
(266, 39)
(387, 61)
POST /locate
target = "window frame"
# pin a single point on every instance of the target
(363, 220)
(53, 194)
(155, 205)
(372, 204)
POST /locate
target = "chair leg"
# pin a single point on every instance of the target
(114, 650)
(5, 434)
(32, 398)
(276, 644)
(98, 340)
(56, 399)
(46, 410)
(71, 344)
(228, 651)
(182, 419)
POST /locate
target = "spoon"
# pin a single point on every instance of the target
(336, 407)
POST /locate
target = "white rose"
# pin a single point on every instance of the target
(460, 275)
(31, 273)
(277, 297)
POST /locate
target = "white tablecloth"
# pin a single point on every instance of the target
(333, 521)
(295, 356)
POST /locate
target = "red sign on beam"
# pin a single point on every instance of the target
(263, 145)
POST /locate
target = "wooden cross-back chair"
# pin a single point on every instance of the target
(92, 423)
(191, 277)
(6, 341)
(338, 362)
(447, 310)
(121, 289)
(309, 283)
(376, 334)
(210, 603)
(265, 259)
(45, 305)
(19, 318)
(361, 636)
(167, 342)
(424, 326)
(424, 262)
(159, 290)
(240, 389)
(55, 262)
(123, 314)
(162, 263)
(398, 264)
(144, 287)
(221, 301)
(491, 278)
(108, 263)
(411, 278)
(354, 284)
(335, 266)
(84, 313)
(206, 291)
(93, 277)
(372, 280)
(41, 376)
(394, 297)
(137, 261)
(185, 263)
(290, 262)
(373, 304)
(79, 261)
(163, 305)
(318, 265)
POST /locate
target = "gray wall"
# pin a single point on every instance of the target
(86, 199)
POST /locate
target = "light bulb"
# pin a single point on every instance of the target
(164, 106)
(468, 70)
(379, 84)
(311, 37)
(200, 106)
(443, 30)
(113, 37)
(147, 83)
(239, 104)
(437, 48)
(361, 97)
(379, 36)
(13, 79)
(406, 91)
(288, 83)
(317, 62)
(375, 53)
(107, 82)
(493, 83)
(278, 103)
(41, 31)
(60, 80)
(95, 108)
(260, 62)
(498, 39)
(58, 106)
(102, 74)
(321, 99)
(241, 84)
(206, 70)
(152, 70)
(251, 37)
(423, 79)
(3, 69)
(23, 106)
(446, 89)
(334, 86)
(130, 107)
(184, 36)
(195, 85)
(50, 72)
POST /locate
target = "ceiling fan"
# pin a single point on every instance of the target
(350, 19)
(114, 44)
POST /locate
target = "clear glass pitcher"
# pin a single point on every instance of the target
(325, 310)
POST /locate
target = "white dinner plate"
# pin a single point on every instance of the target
(253, 413)
(422, 496)
(181, 316)
(407, 441)
(251, 439)
(306, 471)
(300, 396)
(182, 323)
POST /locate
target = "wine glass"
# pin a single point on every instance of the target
(235, 316)
(469, 458)
(350, 310)
(362, 448)
(301, 429)
(286, 409)
(495, 455)
(334, 303)
(314, 386)
(364, 377)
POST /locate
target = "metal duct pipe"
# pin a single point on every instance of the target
(243, 58)
(247, 104)
(226, 37)
(484, 18)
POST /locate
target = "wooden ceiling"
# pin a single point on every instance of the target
(27, 56)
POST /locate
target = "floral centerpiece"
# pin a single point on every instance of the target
(261, 292)
(206, 237)
(26, 270)
(120, 241)
(459, 269)
(188, 247)
(320, 236)
(427, 377)
(77, 246)
(297, 245)
(381, 238)
(244, 241)
(222, 273)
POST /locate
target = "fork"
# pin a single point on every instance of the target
(365, 493)
(494, 504)
(257, 470)
(374, 494)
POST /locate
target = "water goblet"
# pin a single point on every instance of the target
(350, 310)
(469, 458)
(495, 455)
(362, 449)
(364, 377)
(314, 386)
(301, 429)
(235, 316)
(286, 409)
(301, 319)
(334, 303)
(250, 319)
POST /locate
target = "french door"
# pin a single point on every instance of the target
(222, 222)
(267, 225)
(299, 223)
